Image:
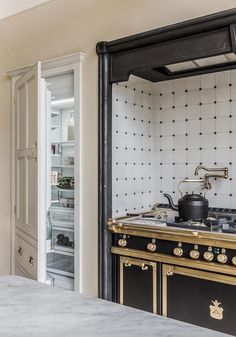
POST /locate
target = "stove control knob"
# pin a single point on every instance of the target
(234, 260)
(178, 251)
(222, 258)
(122, 243)
(194, 254)
(151, 247)
(208, 256)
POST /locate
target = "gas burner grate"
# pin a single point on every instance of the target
(211, 227)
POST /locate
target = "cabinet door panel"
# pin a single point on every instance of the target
(138, 284)
(32, 192)
(28, 100)
(21, 189)
(20, 272)
(200, 298)
(21, 116)
(32, 106)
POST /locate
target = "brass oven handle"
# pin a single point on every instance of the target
(170, 272)
(20, 251)
(142, 265)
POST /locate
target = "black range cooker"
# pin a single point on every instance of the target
(184, 270)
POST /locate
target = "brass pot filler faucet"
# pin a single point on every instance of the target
(206, 183)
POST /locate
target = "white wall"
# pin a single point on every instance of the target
(61, 27)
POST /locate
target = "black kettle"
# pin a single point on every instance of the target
(190, 206)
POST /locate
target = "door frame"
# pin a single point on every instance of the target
(52, 67)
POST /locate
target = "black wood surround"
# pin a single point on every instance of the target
(145, 55)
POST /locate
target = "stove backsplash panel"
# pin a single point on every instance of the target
(133, 146)
(163, 131)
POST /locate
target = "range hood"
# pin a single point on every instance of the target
(203, 45)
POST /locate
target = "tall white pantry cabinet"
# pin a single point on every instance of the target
(46, 171)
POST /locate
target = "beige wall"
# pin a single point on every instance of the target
(66, 26)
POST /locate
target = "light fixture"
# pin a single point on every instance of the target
(201, 63)
(63, 101)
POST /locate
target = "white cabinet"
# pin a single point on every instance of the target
(29, 90)
(46, 173)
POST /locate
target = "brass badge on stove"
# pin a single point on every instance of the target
(216, 311)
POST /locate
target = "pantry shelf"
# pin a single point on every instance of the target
(63, 166)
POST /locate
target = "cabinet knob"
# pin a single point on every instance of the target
(222, 258)
(20, 251)
(31, 260)
(122, 243)
(194, 254)
(178, 251)
(151, 247)
(234, 260)
(209, 256)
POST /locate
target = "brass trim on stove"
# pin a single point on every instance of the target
(169, 271)
(125, 217)
(179, 261)
(211, 239)
(144, 265)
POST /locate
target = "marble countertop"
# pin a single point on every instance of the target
(29, 308)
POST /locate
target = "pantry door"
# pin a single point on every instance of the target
(27, 96)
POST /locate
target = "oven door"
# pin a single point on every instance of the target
(198, 297)
(138, 283)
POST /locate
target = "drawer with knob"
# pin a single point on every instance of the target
(26, 256)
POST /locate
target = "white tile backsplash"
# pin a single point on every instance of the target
(223, 78)
(162, 131)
